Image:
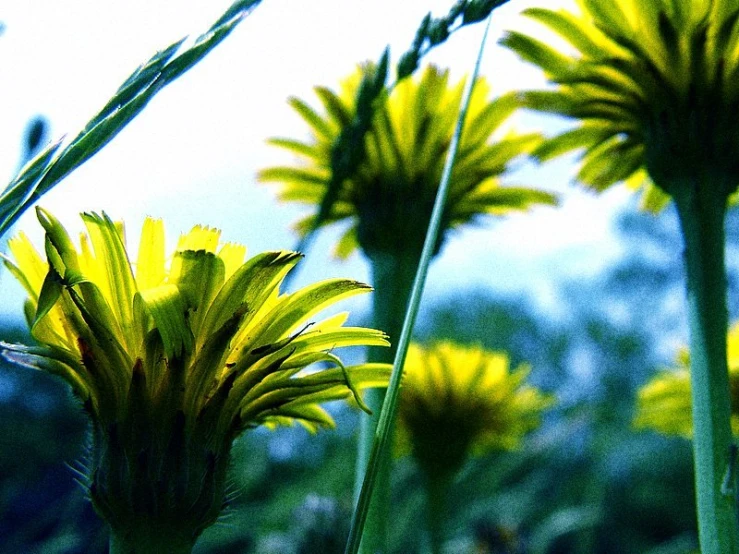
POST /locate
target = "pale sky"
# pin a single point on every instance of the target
(192, 155)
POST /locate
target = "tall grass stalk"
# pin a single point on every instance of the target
(380, 451)
(60, 158)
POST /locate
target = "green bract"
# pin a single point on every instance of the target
(391, 195)
(174, 357)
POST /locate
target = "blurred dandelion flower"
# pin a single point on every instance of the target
(456, 402)
(393, 191)
(663, 404)
(460, 401)
(174, 358)
(654, 84)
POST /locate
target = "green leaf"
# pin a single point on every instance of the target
(251, 284)
(568, 27)
(268, 397)
(727, 30)
(495, 158)
(347, 244)
(296, 147)
(609, 16)
(382, 148)
(654, 199)
(362, 375)
(166, 307)
(669, 35)
(103, 355)
(490, 118)
(199, 276)
(112, 258)
(608, 84)
(208, 362)
(505, 199)
(16, 272)
(294, 175)
(64, 252)
(334, 106)
(21, 190)
(616, 109)
(295, 309)
(317, 123)
(336, 338)
(50, 360)
(599, 170)
(50, 292)
(348, 148)
(549, 59)
(558, 102)
(574, 139)
(311, 416)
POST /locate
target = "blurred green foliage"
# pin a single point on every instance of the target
(586, 482)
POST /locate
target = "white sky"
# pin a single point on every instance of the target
(192, 155)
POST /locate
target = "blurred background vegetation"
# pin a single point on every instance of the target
(585, 483)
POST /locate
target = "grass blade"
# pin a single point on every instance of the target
(55, 162)
(390, 406)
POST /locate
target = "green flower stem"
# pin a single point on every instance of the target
(437, 489)
(392, 277)
(151, 541)
(702, 219)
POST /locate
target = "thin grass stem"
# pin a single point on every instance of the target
(380, 447)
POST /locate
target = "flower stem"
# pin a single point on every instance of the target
(702, 220)
(392, 277)
(437, 488)
(149, 543)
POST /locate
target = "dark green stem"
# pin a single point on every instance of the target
(149, 543)
(392, 277)
(702, 219)
(437, 488)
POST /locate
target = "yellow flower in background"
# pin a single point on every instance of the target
(460, 401)
(664, 403)
(173, 357)
(655, 86)
(392, 194)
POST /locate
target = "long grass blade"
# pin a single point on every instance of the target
(58, 160)
(390, 405)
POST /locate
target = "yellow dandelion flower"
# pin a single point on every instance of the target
(654, 85)
(664, 404)
(460, 401)
(174, 357)
(390, 198)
